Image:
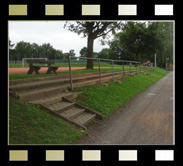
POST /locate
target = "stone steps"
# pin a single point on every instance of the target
(50, 93)
(54, 98)
(37, 93)
(72, 112)
(33, 94)
(50, 83)
(84, 118)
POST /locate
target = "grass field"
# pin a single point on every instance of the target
(28, 124)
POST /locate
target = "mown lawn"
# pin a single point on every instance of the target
(106, 99)
(28, 124)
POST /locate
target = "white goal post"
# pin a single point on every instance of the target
(24, 59)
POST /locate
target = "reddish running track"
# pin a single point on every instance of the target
(42, 70)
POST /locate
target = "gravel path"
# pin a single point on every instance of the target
(146, 119)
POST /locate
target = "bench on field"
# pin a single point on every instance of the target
(36, 68)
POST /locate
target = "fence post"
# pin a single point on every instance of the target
(99, 71)
(112, 71)
(123, 69)
(70, 73)
(140, 66)
(136, 67)
(130, 68)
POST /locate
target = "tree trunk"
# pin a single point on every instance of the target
(89, 54)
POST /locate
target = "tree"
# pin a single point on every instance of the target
(27, 50)
(83, 52)
(48, 50)
(67, 54)
(104, 53)
(92, 30)
(72, 52)
(23, 50)
(59, 54)
(132, 37)
(165, 33)
(142, 40)
(117, 51)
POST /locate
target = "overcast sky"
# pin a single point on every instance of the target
(49, 32)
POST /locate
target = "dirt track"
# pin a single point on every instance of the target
(146, 119)
(42, 70)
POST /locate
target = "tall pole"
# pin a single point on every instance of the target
(155, 60)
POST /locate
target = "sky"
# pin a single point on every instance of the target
(52, 32)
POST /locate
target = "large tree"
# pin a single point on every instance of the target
(141, 40)
(92, 30)
(83, 52)
(132, 38)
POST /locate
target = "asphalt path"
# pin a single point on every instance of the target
(147, 119)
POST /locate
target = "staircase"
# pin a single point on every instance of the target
(52, 94)
(72, 112)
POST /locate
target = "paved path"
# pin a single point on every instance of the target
(146, 119)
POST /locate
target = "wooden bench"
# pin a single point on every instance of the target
(36, 68)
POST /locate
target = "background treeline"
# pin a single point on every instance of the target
(140, 41)
(137, 41)
(27, 50)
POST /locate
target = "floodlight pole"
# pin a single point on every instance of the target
(155, 60)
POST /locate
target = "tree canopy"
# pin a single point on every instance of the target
(27, 50)
(92, 30)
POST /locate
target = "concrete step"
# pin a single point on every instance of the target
(60, 106)
(34, 85)
(37, 93)
(54, 98)
(42, 91)
(84, 118)
(96, 81)
(46, 78)
(55, 82)
(72, 113)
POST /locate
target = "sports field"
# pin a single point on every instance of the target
(42, 70)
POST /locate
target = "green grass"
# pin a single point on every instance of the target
(28, 124)
(106, 99)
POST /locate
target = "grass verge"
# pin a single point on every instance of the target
(28, 124)
(106, 99)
